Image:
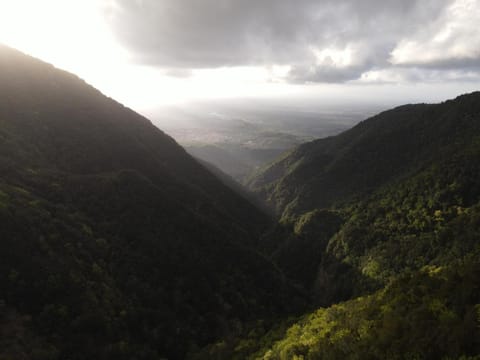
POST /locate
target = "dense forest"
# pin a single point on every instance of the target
(385, 217)
(117, 244)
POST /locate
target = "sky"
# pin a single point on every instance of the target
(148, 53)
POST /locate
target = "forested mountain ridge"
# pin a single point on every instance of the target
(57, 121)
(381, 225)
(387, 147)
(115, 242)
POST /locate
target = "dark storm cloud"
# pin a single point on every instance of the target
(322, 40)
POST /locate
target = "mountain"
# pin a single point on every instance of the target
(115, 242)
(381, 226)
(221, 159)
(236, 186)
(426, 315)
(387, 195)
(388, 147)
(240, 154)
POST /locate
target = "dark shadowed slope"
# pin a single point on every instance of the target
(115, 243)
(52, 119)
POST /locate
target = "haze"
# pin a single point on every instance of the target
(149, 53)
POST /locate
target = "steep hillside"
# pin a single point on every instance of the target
(431, 314)
(422, 219)
(385, 196)
(115, 242)
(51, 119)
(381, 225)
(388, 147)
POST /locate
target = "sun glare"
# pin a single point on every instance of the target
(73, 36)
(68, 33)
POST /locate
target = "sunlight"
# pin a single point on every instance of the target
(73, 36)
(68, 33)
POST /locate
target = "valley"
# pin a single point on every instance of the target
(240, 136)
(362, 241)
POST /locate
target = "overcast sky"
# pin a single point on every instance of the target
(150, 52)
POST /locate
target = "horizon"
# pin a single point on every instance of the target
(287, 57)
(239, 179)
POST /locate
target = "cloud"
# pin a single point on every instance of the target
(319, 40)
(413, 75)
(452, 41)
(178, 72)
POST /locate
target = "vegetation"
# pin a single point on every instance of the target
(117, 244)
(386, 148)
(386, 229)
(430, 314)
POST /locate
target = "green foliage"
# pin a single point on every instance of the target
(429, 314)
(406, 185)
(387, 147)
(430, 218)
(115, 243)
(420, 315)
(299, 247)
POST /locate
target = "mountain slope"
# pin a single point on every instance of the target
(381, 225)
(115, 242)
(69, 126)
(397, 185)
(431, 314)
(384, 148)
